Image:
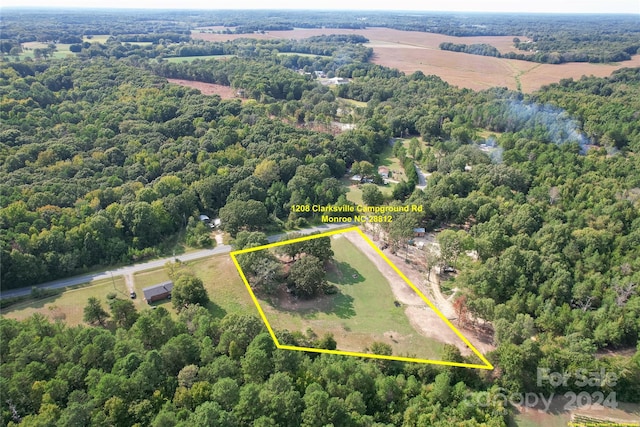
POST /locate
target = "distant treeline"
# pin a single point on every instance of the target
(554, 38)
(592, 55)
(474, 49)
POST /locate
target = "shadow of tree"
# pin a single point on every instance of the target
(343, 306)
(338, 304)
(215, 310)
(341, 273)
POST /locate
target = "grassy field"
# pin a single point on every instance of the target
(484, 134)
(97, 38)
(221, 280)
(354, 102)
(354, 192)
(389, 160)
(69, 305)
(362, 312)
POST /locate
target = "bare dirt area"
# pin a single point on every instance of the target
(410, 51)
(225, 92)
(421, 317)
(545, 74)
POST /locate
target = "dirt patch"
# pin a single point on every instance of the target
(428, 323)
(225, 92)
(286, 301)
(410, 51)
(423, 319)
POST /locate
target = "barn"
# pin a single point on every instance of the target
(158, 292)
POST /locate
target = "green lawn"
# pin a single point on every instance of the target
(389, 160)
(221, 280)
(69, 305)
(220, 277)
(354, 102)
(362, 312)
(354, 191)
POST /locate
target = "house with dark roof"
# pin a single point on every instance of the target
(158, 292)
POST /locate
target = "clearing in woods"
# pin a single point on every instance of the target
(225, 92)
(410, 51)
(371, 305)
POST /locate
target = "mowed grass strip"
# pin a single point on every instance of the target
(69, 305)
(220, 277)
(361, 313)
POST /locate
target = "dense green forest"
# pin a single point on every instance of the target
(201, 371)
(103, 162)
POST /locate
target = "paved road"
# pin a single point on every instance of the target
(135, 268)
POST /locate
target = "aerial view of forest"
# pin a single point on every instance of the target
(179, 191)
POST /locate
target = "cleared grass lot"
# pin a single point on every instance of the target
(362, 312)
(220, 277)
(354, 191)
(69, 305)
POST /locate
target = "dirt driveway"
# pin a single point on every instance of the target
(421, 317)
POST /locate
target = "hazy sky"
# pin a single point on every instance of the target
(546, 6)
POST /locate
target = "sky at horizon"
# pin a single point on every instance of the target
(510, 6)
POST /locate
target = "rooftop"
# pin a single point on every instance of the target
(159, 289)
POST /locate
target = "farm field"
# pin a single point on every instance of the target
(225, 92)
(410, 51)
(362, 312)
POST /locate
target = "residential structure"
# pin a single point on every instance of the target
(158, 292)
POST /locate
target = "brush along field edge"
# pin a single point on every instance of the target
(487, 364)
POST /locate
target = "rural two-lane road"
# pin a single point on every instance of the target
(135, 268)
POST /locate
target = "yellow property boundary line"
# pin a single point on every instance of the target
(233, 254)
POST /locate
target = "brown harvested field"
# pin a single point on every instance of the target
(410, 51)
(225, 92)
